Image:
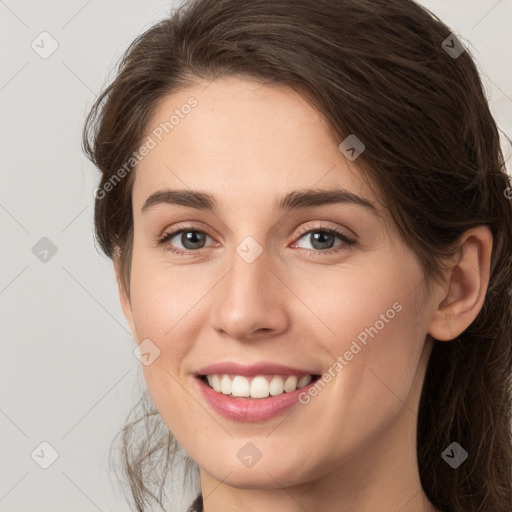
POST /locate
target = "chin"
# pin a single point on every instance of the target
(260, 476)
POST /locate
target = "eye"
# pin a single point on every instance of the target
(322, 239)
(191, 240)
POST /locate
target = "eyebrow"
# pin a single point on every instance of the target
(294, 200)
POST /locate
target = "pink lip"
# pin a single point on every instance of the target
(252, 370)
(250, 410)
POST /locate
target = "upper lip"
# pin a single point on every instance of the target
(249, 370)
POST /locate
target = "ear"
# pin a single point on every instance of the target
(461, 299)
(124, 295)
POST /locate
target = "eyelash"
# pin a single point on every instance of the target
(347, 240)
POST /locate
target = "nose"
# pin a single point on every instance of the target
(249, 302)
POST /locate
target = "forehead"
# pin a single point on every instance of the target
(243, 141)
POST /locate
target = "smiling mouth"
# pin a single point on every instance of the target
(258, 386)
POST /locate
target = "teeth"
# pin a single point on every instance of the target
(276, 386)
(225, 385)
(240, 386)
(259, 387)
(216, 383)
(290, 384)
(304, 381)
(256, 387)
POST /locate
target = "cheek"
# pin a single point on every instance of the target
(164, 311)
(363, 301)
(164, 298)
(373, 329)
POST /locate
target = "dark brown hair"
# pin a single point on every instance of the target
(377, 69)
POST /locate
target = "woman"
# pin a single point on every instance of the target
(366, 370)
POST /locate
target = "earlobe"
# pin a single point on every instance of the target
(462, 298)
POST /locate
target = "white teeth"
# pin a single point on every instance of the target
(216, 383)
(259, 387)
(276, 386)
(290, 384)
(304, 381)
(225, 385)
(256, 387)
(240, 386)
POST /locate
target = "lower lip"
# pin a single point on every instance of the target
(250, 410)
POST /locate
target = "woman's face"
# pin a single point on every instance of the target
(264, 283)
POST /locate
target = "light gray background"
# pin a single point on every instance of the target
(68, 374)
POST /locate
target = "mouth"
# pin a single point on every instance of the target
(253, 399)
(253, 392)
(256, 387)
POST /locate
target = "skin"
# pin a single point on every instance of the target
(353, 447)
